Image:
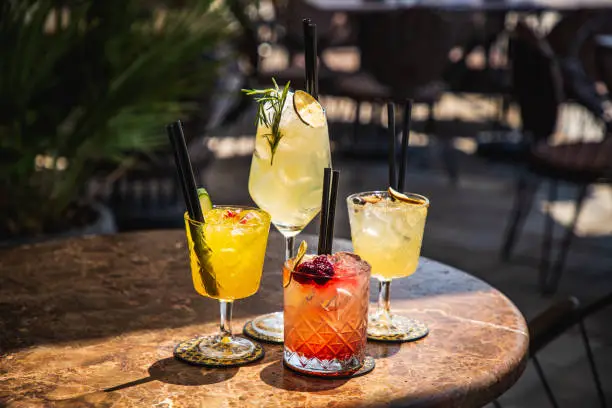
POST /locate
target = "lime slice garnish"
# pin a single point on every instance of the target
(205, 201)
(403, 197)
(308, 109)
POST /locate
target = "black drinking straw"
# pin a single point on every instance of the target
(405, 140)
(331, 212)
(184, 170)
(315, 65)
(327, 175)
(310, 58)
(391, 129)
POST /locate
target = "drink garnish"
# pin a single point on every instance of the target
(300, 255)
(205, 201)
(308, 109)
(371, 199)
(319, 270)
(246, 218)
(229, 214)
(404, 198)
(202, 250)
(270, 103)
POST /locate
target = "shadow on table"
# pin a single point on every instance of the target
(167, 370)
(172, 371)
(276, 375)
(380, 350)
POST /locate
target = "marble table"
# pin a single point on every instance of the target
(92, 322)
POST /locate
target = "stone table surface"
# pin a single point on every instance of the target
(93, 321)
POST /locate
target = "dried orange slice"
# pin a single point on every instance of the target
(300, 255)
(308, 109)
(404, 198)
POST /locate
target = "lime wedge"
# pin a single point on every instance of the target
(205, 201)
(402, 197)
(308, 109)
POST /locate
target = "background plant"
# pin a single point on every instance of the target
(85, 82)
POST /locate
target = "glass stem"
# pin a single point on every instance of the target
(226, 320)
(384, 299)
(289, 247)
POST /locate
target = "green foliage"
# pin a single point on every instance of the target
(87, 81)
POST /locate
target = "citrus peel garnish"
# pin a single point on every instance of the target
(404, 198)
(298, 259)
(308, 109)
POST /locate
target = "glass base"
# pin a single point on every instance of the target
(351, 367)
(394, 328)
(269, 327)
(215, 351)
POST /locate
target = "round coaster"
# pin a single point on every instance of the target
(368, 365)
(417, 330)
(189, 352)
(249, 331)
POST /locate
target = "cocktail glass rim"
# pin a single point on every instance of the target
(289, 265)
(425, 200)
(266, 220)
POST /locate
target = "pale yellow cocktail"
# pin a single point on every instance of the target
(388, 235)
(288, 182)
(387, 232)
(286, 179)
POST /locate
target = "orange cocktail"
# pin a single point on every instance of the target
(326, 307)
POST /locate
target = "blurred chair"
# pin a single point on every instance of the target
(603, 57)
(574, 42)
(538, 87)
(556, 320)
(563, 38)
(403, 56)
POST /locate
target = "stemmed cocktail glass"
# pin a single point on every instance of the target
(387, 232)
(226, 255)
(227, 247)
(286, 179)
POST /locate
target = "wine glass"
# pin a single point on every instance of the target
(286, 180)
(387, 233)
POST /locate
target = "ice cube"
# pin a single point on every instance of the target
(237, 232)
(349, 264)
(341, 298)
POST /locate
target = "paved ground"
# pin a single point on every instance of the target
(464, 229)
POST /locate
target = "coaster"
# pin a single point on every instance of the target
(417, 330)
(249, 331)
(188, 352)
(368, 365)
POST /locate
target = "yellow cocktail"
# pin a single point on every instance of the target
(236, 239)
(387, 232)
(226, 255)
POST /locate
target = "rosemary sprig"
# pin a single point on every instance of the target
(270, 104)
